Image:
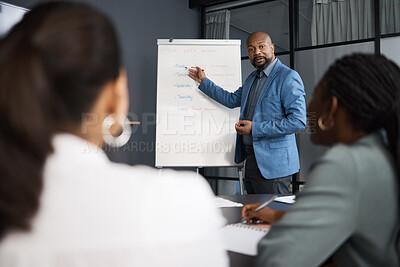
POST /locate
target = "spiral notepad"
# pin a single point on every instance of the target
(243, 238)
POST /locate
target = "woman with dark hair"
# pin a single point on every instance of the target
(349, 208)
(62, 202)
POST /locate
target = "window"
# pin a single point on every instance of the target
(389, 16)
(270, 17)
(331, 21)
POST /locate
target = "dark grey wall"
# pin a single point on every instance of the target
(140, 24)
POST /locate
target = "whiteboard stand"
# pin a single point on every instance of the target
(159, 171)
(240, 171)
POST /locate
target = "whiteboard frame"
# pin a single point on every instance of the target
(215, 42)
(198, 42)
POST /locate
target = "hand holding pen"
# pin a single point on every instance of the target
(256, 211)
(197, 74)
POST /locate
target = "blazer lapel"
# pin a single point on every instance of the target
(270, 78)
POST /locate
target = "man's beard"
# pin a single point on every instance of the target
(261, 67)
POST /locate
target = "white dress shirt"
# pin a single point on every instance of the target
(97, 213)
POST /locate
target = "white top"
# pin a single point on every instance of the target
(98, 213)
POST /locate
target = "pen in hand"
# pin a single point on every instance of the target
(258, 208)
(265, 203)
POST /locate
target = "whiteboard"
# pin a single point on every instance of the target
(192, 130)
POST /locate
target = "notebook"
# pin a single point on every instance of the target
(225, 203)
(286, 199)
(243, 238)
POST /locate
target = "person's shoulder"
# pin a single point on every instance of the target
(369, 147)
(284, 71)
(336, 167)
(348, 154)
(189, 185)
(180, 192)
(162, 179)
(339, 153)
(185, 189)
(371, 153)
(360, 158)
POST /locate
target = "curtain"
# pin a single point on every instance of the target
(217, 27)
(390, 16)
(341, 20)
(217, 24)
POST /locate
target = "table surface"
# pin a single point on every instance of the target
(233, 215)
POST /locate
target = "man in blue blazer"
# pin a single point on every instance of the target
(272, 110)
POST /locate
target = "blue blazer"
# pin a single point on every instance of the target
(280, 113)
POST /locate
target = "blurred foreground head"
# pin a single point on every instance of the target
(358, 95)
(53, 66)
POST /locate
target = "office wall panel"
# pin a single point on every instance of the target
(390, 48)
(271, 17)
(311, 65)
(140, 24)
(285, 59)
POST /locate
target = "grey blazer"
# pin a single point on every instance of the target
(349, 209)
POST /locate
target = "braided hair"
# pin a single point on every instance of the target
(368, 86)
